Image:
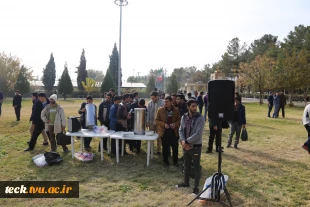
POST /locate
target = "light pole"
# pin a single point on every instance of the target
(120, 3)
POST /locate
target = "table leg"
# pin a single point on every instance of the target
(148, 152)
(117, 150)
(123, 147)
(72, 146)
(109, 145)
(82, 142)
(101, 148)
(152, 149)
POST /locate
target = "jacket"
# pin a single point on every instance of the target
(241, 118)
(195, 136)
(161, 117)
(37, 114)
(17, 101)
(112, 117)
(205, 100)
(60, 118)
(104, 108)
(150, 118)
(276, 100)
(122, 114)
(306, 116)
(200, 101)
(282, 100)
(270, 99)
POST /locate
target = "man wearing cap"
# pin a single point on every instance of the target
(17, 104)
(270, 103)
(1, 100)
(237, 123)
(54, 118)
(34, 97)
(39, 124)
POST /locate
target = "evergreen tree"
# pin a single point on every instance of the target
(150, 85)
(49, 74)
(113, 66)
(107, 82)
(22, 84)
(65, 86)
(172, 85)
(81, 72)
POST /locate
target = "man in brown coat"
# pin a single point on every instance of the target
(168, 122)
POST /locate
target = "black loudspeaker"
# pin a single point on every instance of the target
(221, 99)
(73, 124)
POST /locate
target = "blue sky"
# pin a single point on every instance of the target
(161, 33)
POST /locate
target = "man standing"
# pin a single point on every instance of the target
(214, 132)
(103, 115)
(167, 121)
(238, 122)
(1, 100)
(122, 112)
(205, 101)
(54, 118)
(39, 124)
(190, 131)
(200, 102)
(270, 103)
(276, 103)
(17, 104)
(282, 103)
(174, 99)
(181, 104)
(152, 108)
(189, 96)
(34, 97)
(112, 92)
(82, 111)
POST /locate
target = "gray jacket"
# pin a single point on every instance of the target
(195, 136)
(151, 111)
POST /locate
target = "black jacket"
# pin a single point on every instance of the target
(270, 99)
(36, 117)
(82, 120)
(104, 105)
(17, 101)
(33, 110)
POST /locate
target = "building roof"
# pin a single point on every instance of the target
(40, 84)
(133, 85)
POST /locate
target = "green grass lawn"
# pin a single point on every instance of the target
(271, 169)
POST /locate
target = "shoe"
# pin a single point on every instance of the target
(66, 150)
(235, 146)
(176, 165)
(18, 120)
(228, 146)
(182, 185)
(158, 153)
(305, 147)
(166, 164)
(195, 191)
(209, 151)
(28, 149)
(45, 143)
(218, 150)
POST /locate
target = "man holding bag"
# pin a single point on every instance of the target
(54, 118)
(190, 131)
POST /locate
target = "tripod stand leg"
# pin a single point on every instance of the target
(228, 196)
(196, 197)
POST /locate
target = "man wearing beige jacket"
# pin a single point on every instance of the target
(54, 118)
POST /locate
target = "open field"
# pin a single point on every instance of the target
(271, 169)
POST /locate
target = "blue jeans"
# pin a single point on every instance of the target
(206, 111)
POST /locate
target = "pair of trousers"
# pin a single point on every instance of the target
(190, 156)
(159, 144)
(169, 139)
(235, 127)
(43, 133)
(214, 133)
(206, 111)
(269, 109)
(52, 138)
(17, 113)
(200, 108)
(0, 108)
(276, 111)
(283, 112)
(87, 140)
(36, 132)
(307, 143)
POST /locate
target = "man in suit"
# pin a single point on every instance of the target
(17, 104)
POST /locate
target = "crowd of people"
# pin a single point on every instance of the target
(278, 101)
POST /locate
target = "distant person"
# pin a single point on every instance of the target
(270, 103)
(112, 92)
(17, 104)
(238, 122)
(189, 96)
(215, 132)
(174, 99)
(103, 115)
(306, 123)
(276, 103)
(54, 118)
(154, 104)
(1, 101)
(181, 104)
(34, 97)
(162, 96)
(114, 120)
(282, 103)
(39, 124)
(205, 101)
(238, 95)
(200, 102)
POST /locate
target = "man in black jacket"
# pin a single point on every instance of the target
(17, 104)
(39, 124)
(103, 115)
(282, 103)
(270, 103)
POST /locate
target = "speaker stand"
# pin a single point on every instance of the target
(217, 197)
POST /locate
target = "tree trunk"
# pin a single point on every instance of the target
(260, 96)
(291, 95)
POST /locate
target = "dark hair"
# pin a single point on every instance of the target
(108, 94)
(154, 93)
(35, 94)
(201, 93)
(190, 101)
(168, 98)
(142, 102)
(181, 96)
(41, 95)
(112, 89)
(238, 98)
(89, 98)
(135, 94)
(126, 95)
(117, 98)
(155, 89)
(189, 94)
(17, 91)
(130, 95)
(173, 94)
(163, 94)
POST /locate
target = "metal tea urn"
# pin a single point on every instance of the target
(139, 120)
(90, 116)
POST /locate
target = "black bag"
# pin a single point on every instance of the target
(244, 135)
(52, 158)
(63, 139)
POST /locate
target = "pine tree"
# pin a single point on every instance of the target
(65, 86)
(150, 85)
(172, 85)
(113, 66)
(22, 84)
(107, 82)
(81, 72)
(49, 74)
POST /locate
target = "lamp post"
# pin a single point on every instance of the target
(120, 3)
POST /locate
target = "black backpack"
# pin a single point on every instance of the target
(52, 158)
